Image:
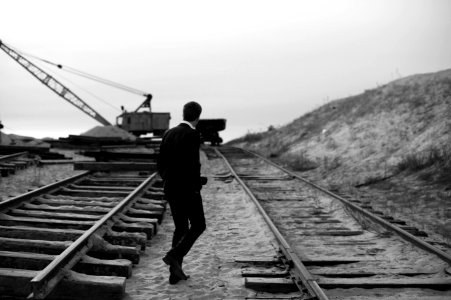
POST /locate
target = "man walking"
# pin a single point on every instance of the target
(179, 167)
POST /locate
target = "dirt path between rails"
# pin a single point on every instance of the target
(234, 229)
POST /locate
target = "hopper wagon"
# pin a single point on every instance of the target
(209, 130)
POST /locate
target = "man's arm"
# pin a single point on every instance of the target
(162, 160)
(196, 160)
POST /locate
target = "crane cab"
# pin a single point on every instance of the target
(139, 123)
(143, 122)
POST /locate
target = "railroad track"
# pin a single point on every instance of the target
(78, 238)
(10, 163)
(332, 248)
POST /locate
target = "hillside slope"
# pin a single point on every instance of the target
(390, 146)
(361, 138)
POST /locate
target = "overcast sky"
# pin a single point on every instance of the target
(255, 63)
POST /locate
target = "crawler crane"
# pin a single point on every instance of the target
(136, 122)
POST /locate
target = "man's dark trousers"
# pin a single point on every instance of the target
(189, 220)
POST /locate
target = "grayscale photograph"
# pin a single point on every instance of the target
(209, 149)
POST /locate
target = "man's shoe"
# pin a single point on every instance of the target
(176, 268)
(173, 279)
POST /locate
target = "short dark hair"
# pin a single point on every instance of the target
(191, 111)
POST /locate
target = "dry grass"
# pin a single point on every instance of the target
(300, 162)
(379, 136)
(365, 136)
(250, 137)
(438, 158)
(418, 161)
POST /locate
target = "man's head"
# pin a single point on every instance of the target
(191, 111)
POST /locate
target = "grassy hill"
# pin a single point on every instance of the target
(368, 135)
(394, 135)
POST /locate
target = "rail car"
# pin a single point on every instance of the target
(209, 130)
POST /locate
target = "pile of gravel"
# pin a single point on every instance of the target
(109, 131)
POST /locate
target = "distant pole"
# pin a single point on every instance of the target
(1, 127)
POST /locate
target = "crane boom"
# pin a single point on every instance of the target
(54, 85)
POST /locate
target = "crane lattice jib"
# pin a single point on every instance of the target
(54, 85)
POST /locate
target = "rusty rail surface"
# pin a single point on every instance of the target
(391, 227)
(301, 271)
(48, 278)
(270, 185)
(12, 156)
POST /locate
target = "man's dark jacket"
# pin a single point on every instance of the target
(178, 161)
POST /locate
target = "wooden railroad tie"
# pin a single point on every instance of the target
(265, 283)
(115, 166)
(88, 264)
(78, 286)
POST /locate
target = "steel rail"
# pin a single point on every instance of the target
(307, 279)
(11, 156)
(44, 282)
(400, 232)
(45, 189)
